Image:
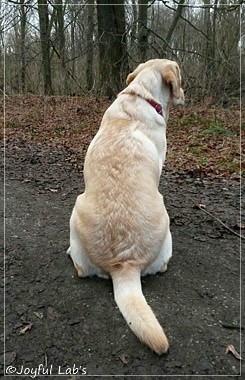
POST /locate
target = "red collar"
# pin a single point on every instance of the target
(155, 105)
(152, 102)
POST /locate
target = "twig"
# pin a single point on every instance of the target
(46, 359)
(200, 207)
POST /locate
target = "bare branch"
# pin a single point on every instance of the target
(200, 207)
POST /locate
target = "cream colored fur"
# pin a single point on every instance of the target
(119, 226)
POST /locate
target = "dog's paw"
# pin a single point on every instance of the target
(68, 251)
(80, 271)
(164, 268)
(104, 275)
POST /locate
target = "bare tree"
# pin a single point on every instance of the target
(176, 17)
(60, 41)
(55, 46)
(45, 29)
(113, 57)
(23, 20)
(143, 31)
(90, 44)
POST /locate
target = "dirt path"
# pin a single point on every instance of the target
(56, 319)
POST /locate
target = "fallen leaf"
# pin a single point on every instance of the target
(26, 328)
(124, 358)
(38, 314)
(234, 324)
(52, 313)
(231, 348)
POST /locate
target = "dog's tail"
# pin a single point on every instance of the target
(137, 313)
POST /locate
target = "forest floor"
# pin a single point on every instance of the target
(70, 325)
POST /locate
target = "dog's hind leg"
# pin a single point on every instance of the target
(166, 252)
(77, 253)
(160, 264)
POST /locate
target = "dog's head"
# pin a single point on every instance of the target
(170, 74)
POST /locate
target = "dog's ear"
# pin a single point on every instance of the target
(130, 78)
(171, 77)
(134, 74)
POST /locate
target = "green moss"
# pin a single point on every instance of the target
(214, 128)
(203, 161)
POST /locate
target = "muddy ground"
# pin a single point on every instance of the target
(68, 324)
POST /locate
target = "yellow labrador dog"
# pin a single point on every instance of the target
(119, 226)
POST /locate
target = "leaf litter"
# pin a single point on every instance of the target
(203, 140)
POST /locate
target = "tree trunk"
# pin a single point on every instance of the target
(73, 48)
(45, 45)
(113, 56)
(133, 24)
(173, 25)
(143, 31)
(90, 42)
(22, 45)
(213, 40)
(60, 30)
(209, 47)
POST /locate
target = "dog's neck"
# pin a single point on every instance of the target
(155, 105)
(140, 87)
